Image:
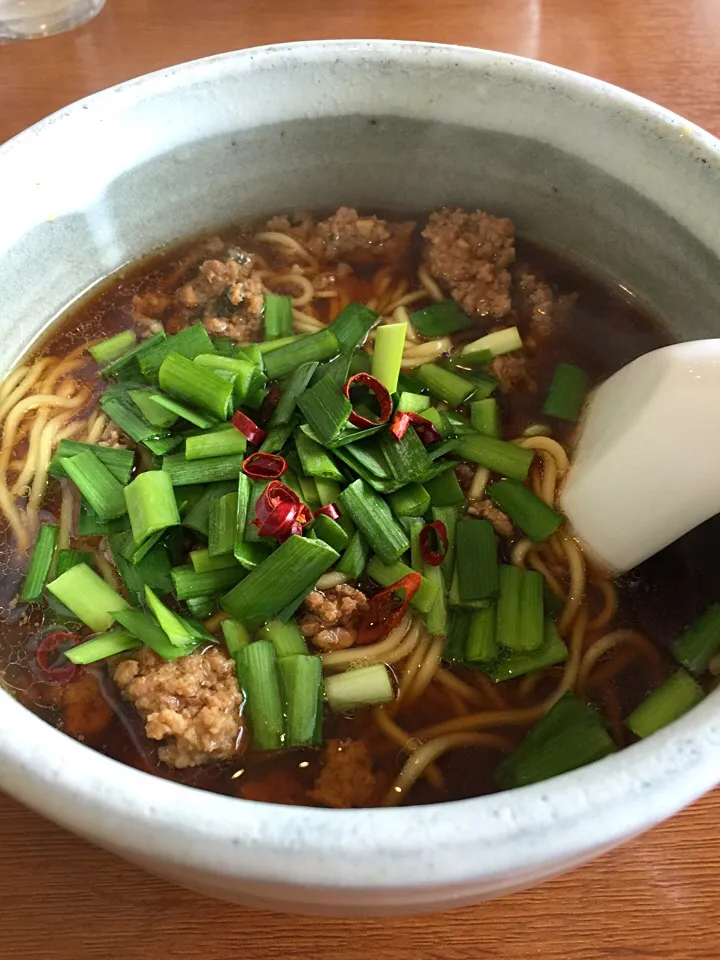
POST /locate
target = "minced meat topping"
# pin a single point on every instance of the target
(192, 704)
(330, 617)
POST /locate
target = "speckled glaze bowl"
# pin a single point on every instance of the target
(630, 189)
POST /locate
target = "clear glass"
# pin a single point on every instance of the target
(24, 19)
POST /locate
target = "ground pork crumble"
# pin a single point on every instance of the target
(230, 295)
(192, 704)
(470, 255)
(330, 617)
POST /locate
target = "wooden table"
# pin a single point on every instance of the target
(658, 897)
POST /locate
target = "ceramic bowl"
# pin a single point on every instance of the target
(628, 188)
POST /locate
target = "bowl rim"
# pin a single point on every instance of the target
(413, 847)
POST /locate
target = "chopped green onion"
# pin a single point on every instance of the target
(250, 495)
(293, 389)
(315, 460)
(361, 687)
(552, 652)
(567, 393)
(374, 519)
(278, 316)
(388, 352)
(222, 526)
(316, 347)
(118, 462)
(147, 630)
(439, 420)
(161, 446)
(208, 470)
(448, 516)
(190, 342)
(128, 360)
(444, 384)
(220, 442)
(198, 516)
(202, 562)
(477, 565)
(352, 325)
(508, 611)
(388, 574)
(411, 501)
(569, 736)
(235, 635)
(413, 402)
(413, 527)
(285, 637)
(40, 563)
(436, 620)
(535, 518)
(530, 633)
(152, 570)
(257, 670)
(369, 456)
(475, 360)
(277, 437)
(66, 559)
(95, 482)
(190, 585)
(190, 414)
(326, 409)
(114, 347)
(201, 607)
(445, 491)
(327, 491)
(269, 345)
(330, 531)
(453, 597)
(700, 642)
(123, 413)
(440, 319)
(86, 594)
(89, 525)
(678, 694)
(241, 372)
(279, 580)
(155, 413)
(508, 459)
(301, 685)
(193, 384)
(485, 417)
(408, 458)
(101, 647)
(481, 645)
(497, 343)
(354, 560)
(151, 504)
(457, 633)
(173, 626)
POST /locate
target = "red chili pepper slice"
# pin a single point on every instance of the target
(384, 611)
(425, 430)
(279, 520)
(264, 466)
(304, 514)
(248, 428)
(270, 401)
(381, 393)
(273, 494)
(279, 513)
(329, 510)
(44, 657)
(434, 542)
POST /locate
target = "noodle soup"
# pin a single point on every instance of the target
(280, 519)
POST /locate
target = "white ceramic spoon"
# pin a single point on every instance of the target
(646, 468)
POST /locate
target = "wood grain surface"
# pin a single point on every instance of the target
(657, 898)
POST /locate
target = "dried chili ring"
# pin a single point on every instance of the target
(424, 429)
(49, 646)
(329, 510)
(382, 396)
(434, 552)
(264, 466)
(384, 611)
(279, 521)
(248, 428)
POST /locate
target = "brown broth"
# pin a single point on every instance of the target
(604, 331)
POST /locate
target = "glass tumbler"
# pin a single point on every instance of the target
(25, 19)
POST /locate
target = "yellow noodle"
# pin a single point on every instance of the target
(572, 664)
(413, 665)
(491, 690)
(481, 721)
(407, 300)
(17, 523)
(28, 470)
(527, 684)
(537, 564)
(432, 288)
(403, 649)
(577, 584)
(431, 751)
(406, 741)
(479, 482)
(305, 285)
(305, 323)
(283, 240)
(11, 381)
(370, 653)
(70, 430)
(425, 673)
(429, 350)
(519, 553)
(30, 379)
(550, 446)
(213, 623)
(107, 571)
(19, 411)
(463, 690)
(67, 512)
(96, 429)
(610, 597)
(41, 473)
(596, 650)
